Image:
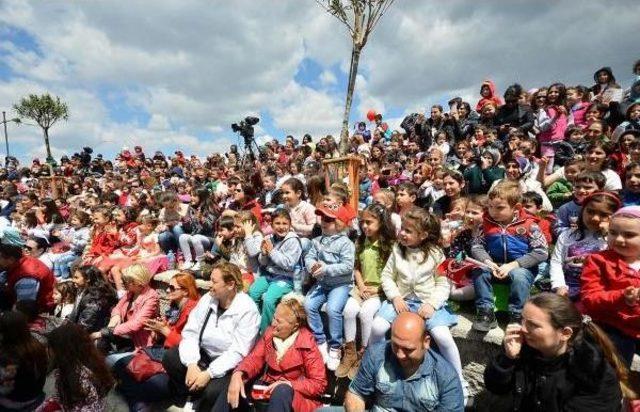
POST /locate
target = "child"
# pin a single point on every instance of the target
(64, 296)
(372, 250)
(578, 101)
(561, 191)
(406, 194)
(104, 237)
(330, 261)
(77, 237)
(573, 246)
(442, 143)
(386, 198)
(631, 192)
(532, 204)
(302, 213)
(279, 254)
(512, 245)
(411, 283)
(461, 284)
(610, 286)
(585, 184)
(481, 175)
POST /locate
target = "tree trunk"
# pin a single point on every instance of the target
(50, 159)
(353, 72)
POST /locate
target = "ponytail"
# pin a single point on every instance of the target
(629, 384)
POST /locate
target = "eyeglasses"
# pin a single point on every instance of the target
(172, 288)
(239, 190)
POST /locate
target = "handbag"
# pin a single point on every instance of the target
(143, 365)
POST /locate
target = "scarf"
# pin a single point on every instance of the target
(282, 345)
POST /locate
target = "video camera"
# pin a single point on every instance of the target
(245, 128)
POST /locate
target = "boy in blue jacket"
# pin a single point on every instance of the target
(511, 245)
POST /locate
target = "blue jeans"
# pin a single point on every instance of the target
(168, 240)
(336, 298)
(520, 281)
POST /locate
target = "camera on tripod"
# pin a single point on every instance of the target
(245, 128)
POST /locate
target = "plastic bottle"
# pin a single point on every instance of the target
(171, 258)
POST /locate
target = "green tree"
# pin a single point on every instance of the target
(44, 110)
(360, 17)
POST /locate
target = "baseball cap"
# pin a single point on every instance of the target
(335, 211)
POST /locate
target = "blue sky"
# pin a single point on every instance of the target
(180, 75)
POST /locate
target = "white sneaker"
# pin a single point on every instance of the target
(323, 351)
(334, 359)
(195, 267)
(185, 265)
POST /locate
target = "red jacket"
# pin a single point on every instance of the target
(174, 336)
(604, 277)
(103, 243)
(301, 365)
(30, 267)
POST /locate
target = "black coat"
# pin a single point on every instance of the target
(580, 380)
(93, 310)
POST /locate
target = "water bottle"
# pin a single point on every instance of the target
(297, 279)
(171, 258)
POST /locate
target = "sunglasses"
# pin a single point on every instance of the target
(172, 288)
(29, 248)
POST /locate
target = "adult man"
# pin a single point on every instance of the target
(404, 375)
(27, 279)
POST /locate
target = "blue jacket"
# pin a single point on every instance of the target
(521, 240)
(337, 253)
(281, 261)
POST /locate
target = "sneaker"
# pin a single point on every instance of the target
(185, 265)
(195, 267)
(515, 318)
(485, 321)
(334, 359)
(324, 352)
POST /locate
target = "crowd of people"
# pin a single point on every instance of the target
(526, 202)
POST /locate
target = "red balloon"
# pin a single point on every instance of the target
(371, 115)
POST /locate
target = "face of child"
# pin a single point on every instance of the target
(404, 199)
(596, 216)
(634, 113)
(531, 207)
(500, 210)
(485, 91)
(571, 172)
(410, 236)
(572, 96)
(147, 228)
(226, 233)
(281, 226)
(473, 215)
(438, 181)
(583, 189)
(576, 136)
(290, 197)
(452, 187)
(435, 159)
(634, 152)
(626, 141)
(512, 171)
(75, 222)
(632, 182)
(624, 237)
(57, 297)
(99, 219)
(441, 138)
(370, 224)
(328, 225)
(381, 199)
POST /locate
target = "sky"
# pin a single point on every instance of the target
(171, 75)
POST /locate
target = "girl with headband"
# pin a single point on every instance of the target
(573, 245)
(610, 283)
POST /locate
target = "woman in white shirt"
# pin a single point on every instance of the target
(220, 332)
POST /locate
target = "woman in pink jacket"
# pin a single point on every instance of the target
(126, 329)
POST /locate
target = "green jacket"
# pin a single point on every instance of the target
(558, 192)
(480, 180)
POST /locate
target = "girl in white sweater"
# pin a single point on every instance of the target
(411, 283)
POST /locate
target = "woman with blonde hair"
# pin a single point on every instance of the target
(126, 329)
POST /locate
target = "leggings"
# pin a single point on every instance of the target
(365, 312)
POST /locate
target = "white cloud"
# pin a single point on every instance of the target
(327, 78)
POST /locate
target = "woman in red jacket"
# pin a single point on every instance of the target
(183, 296)
(610, 291)
(294, 375)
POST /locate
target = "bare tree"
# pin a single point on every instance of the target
(360, 17)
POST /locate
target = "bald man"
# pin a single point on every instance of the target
(405, 374)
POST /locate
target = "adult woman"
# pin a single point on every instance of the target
(126, 328)
(453, 186)
(597, 160)
(23, 365)
(94, 300)
(244, 198)
(220, 332)
(38, 247)
(556, 360)
(183, 297)
(82, 380)
(294, 369)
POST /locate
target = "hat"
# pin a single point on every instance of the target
(335, 211)
(494, 153)
(524, 164)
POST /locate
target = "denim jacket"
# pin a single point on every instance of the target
(281, 261)
(337, 254)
